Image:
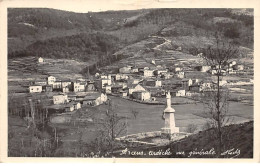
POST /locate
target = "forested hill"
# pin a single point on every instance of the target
(55, 33)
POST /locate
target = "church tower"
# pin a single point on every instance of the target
(169, 118)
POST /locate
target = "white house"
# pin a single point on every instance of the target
(177, 69)
(51, 80)
(121, 76)
(180, 74)
(40, 60)
(79, 86)
(148, 73)
(35, 88)
(105, 82)
(60, 99)
(108, 89)
(180, 92)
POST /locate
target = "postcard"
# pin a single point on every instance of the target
(129, 81)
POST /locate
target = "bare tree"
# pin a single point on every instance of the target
(216, 100)
(111, 127)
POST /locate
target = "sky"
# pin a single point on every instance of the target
(84, 6)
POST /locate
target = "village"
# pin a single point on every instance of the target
(138, 83)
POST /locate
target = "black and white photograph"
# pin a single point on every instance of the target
(130, 83)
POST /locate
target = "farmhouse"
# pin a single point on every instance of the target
(60, 99)
(35, 88)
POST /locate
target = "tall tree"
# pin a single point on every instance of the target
(219, 56)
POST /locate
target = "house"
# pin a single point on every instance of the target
(79, 86)
(47, 88)
(186, 83)
(95, 99)
(134, 70)
(191, 93)
(238, 67)
(51, 80)
(69, 108)
(148, 73)
(125, 70)
(40, 60)
(77, 105)
(103, 76)
(35, 88)
(180, 74)
(40, 82)
(195, 87)
(121, 77)
(116, 88)
(123, 93)
(155, 83)
(135, 87)
(180, 92)
(160, 71)
(205, 86)
(179, 48)
(204, 68)
(105, 82)
(57, 85)
(60, 99)
(141, 95)
(177, 69)
(167, 75)
(108, 89)
(66, 84)
(155, 91)
(65, 89)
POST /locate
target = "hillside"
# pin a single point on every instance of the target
(238, 137)
(56, 33)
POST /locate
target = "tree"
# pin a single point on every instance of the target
(111, 127)
(216, 99)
